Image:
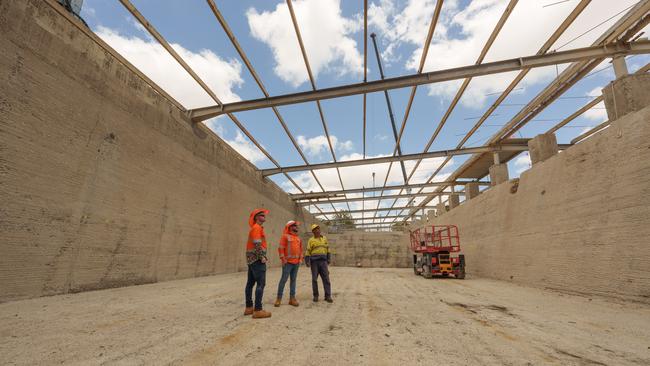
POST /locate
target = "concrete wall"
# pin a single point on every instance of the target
(371, 249)
(579, 221)
(103, 182)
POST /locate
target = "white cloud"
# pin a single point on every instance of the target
(315, 146)
(246, 148)
(597, 112)
(220, 75)
(153, 60)
(325, 33)
(240, 143)
(522, 162)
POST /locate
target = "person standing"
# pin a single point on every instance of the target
(290, 251)
(318, 258)
(256, 259)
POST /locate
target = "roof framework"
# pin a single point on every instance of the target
(615, 42)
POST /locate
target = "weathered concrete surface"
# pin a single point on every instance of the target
(471, 191)
(371, 249)
(542, 147)
(498, 174)
(626, 94)
(379, 317)
(103, 182)
(579, 221)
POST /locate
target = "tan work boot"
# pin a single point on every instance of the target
(248, 311)
(293, 302)
(278, 301)
(260, 314)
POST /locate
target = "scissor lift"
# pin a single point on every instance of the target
(437, 252)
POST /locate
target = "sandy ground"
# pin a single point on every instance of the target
(379, 317)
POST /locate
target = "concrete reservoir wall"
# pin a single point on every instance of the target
(103, 181)
(578, 222)
(370, 249)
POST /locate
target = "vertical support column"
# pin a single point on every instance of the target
(454, 200)
(620, 67)
(542, 147)
(498, 171)
(440, 209)
(471, 190)
(498, 174)
(431, 214)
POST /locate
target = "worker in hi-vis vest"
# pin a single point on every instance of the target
(256, 259)
(318, 258)
(290, 251)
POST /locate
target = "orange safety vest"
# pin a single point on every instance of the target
(290, 248)
(256, 233)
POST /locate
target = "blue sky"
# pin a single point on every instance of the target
(333, 35)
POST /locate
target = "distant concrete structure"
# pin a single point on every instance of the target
(371, 249)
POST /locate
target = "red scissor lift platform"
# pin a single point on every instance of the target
(437, 251)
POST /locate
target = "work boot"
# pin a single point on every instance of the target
(248, 311)
(278, 301)
(260, 314)
(315, 299)
(329, 299)
(293, 302)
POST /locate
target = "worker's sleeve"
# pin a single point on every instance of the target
(327, 245)
(282, 249)
(309, 247)
(301, 253)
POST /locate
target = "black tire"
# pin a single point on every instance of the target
(461, 264)
(426, 271)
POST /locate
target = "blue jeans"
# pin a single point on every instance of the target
(256, 274)
(288, 270)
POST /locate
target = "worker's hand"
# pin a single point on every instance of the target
(263, 260)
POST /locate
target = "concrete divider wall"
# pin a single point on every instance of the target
(371, 249)
(578, 222)
(103, 182)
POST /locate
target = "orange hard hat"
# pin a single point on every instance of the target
(255, 212)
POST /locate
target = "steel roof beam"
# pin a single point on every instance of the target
(369, 210)
(622, 31)
(375, 198)
(486, 47)
(296, 28)
(527, 62)
(367, 218)
(386, 159)
(161, 40)
(258, 80)
(312, 195)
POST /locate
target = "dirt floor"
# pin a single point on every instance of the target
(379, 317)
